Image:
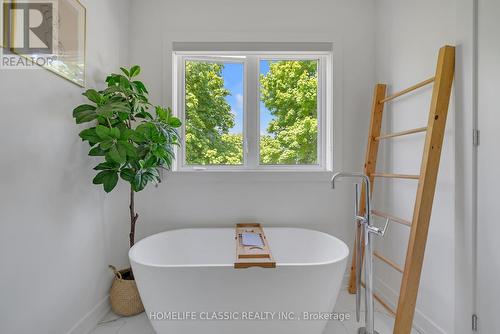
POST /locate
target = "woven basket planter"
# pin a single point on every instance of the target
(124, 296)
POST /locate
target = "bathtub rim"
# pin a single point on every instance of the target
(231, 265)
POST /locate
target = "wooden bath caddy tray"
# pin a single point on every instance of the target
(252, 255)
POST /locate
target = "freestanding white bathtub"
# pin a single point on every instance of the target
(188, 284)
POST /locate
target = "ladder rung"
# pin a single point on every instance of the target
(407, 90)
(396, 176)
(388, 262)
(382, 302)
(391, 217)
(402, 133)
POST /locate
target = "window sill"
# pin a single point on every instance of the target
(241, 169)
(250, 176)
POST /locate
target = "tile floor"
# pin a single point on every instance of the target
(113, 324)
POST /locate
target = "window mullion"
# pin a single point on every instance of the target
(252, 113)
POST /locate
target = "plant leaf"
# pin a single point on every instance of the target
(126, 133)
(125, 71)
(124, 82)
(97, 152)
(162, 114)
(115, 89)
(137, 137)
(93, 96)
(84, 113)
(144, 114)
(117, 154)
(103, 132)
(107, 165)
(90, 135)
(112, 80)
(129, 149)
(123, 116)
(174, 122)
(140, 181)
(115, 133)
(128, 174)
(135, 71)
(146, 130)
(112, 106)
(108, 178)
(110, 182)
(106, 145)
(154, 173)
(140, 87)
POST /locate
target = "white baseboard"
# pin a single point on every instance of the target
(421, 322)
(90, 320)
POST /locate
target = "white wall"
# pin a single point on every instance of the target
(53, 244)
(63, 231)
(221, 199)
(409, 34)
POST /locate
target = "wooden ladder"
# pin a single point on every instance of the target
(419, 225)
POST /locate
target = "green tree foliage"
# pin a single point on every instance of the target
(209, 117)
(230, 154)
(289, 91)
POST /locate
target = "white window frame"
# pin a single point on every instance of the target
(251, 107)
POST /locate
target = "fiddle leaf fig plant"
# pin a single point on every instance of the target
(135, 144)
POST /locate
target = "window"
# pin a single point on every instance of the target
(253, 111)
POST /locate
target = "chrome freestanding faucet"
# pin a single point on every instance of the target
(367, 230)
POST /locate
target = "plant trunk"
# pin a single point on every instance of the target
(133, 217)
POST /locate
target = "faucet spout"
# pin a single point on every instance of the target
(365, 178)
(367, 182)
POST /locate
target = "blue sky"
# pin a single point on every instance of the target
(233, 81)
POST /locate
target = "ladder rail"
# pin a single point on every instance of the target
(426, 189)
(377, 113)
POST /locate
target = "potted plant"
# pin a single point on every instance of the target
(134, 145)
